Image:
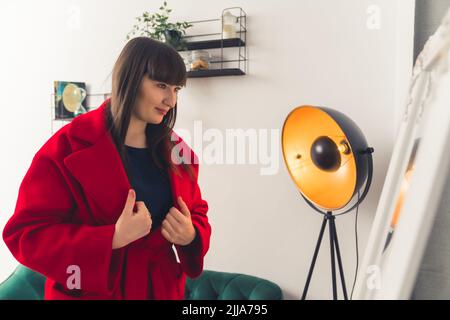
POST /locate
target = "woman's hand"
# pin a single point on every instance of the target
(132, 225)
(177, 227)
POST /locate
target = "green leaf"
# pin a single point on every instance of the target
(156, 23)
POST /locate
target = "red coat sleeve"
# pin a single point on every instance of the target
(192, 255)
(41, 236)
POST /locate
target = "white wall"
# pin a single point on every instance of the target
(317, 52)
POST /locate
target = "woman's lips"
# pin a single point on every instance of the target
(162, 111)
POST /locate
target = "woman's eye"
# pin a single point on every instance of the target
(164, 86)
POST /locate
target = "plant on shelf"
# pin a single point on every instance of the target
(157, 26)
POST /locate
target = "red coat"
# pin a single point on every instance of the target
(68, 203)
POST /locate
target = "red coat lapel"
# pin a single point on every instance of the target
(97, 166)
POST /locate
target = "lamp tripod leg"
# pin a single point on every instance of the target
(313, 262)
(338, 254)
(333, 267)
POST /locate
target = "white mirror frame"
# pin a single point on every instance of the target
(392, 275)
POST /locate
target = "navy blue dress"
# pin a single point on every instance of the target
(152, 184)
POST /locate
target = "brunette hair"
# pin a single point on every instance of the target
(144, 57)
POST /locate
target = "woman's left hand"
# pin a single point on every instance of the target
(177, 227)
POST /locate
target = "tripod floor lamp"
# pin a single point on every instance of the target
(327, 157)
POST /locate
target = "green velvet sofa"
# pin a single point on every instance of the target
(26, 284)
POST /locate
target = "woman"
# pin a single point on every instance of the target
(107, 197)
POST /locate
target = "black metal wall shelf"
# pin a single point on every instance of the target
(221, 43)
(215, 44)
(215, 73)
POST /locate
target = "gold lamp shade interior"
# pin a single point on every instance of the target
(330, 180)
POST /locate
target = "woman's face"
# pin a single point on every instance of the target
(155, 100)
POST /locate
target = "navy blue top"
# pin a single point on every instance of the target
(152, 184)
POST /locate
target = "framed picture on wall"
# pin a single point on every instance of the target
(70, 99)
(415, 179)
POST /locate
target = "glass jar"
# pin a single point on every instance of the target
(199, 60)
(229, 26)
